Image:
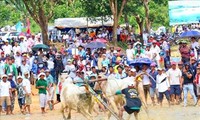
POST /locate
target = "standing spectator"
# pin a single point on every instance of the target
(174, 76)
(23, 45)
(7, 48)
(119, 29)
(18, 61)
(152, 90)
(24, 67)
(130, 53)
(2, 64)
(16, 48)
(50, 86)
(146, 81)
(155, 51)
(194, 46)
(10, 68)
(42, 87)
(162, 86)
(27, 89)
(185, 52)
(187, 82)
(5, 94)
(58, 67)
(197, 82)
(21, 94)
(13, 89)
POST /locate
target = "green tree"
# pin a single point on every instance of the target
(94, 8)
(41, 12)
(8, 15)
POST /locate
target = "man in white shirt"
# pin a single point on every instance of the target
(155, 51)
(23, 45)
(119, 29)
(5, 94)
(130, 79)
(24, 67)
(148, 52)
(16, 48)
(130, 53)
(146, 81)
(27, 89)
(7, 48)
(194, 46)
(162, 86)
(174, 75)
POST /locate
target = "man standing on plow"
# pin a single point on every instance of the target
(133, 102)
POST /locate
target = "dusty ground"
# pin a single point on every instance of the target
(176, 112)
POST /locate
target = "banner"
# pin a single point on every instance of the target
(184, 12)
(19, 26)
(28, 31)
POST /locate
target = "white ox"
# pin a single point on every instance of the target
(70, 98)
(109, 89)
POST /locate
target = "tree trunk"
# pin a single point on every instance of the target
(126, 21)
(140, 22)
(147, 21)
(115, 30)
(44, 29)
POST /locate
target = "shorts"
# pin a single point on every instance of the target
(5, 99)
(130, 111)
(153, 92)
(58, 97)
(28, 100)
(50, 97)
(21, 102)
(175, 89)
(166, 93)
(43, 100)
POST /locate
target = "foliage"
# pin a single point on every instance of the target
(8, 15)
(13, 11)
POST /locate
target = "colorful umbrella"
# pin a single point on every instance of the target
(140, 61)
(101, 40)
(192, 33)
(95, 44)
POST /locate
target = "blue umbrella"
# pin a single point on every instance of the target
(140, 61)
(93, 45)
(192, 33)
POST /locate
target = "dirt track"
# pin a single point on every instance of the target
(176, 112)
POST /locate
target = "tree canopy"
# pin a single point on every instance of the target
(133, 12)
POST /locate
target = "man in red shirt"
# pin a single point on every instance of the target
(185, 52)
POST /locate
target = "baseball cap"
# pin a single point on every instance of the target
(133, 70)
(159, 69)
(153, 64)
(173, 63)
(19, 77)
(41, 74)
(4, 76)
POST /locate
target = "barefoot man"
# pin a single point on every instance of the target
(41, 85)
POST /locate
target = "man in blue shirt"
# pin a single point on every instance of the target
(133, 102)
(152, 91)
